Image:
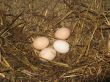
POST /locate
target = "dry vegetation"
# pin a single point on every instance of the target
(22, 20)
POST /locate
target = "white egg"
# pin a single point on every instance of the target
(48, 54)
(62, 33)
(40, 43)
(61, 46)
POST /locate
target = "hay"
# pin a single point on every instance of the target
(21, 20)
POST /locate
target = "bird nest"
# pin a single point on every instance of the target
(21, 20)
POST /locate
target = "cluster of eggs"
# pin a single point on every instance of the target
(60, 45)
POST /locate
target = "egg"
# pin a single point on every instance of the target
(62, 33)
(48, 54)
(61, 46)
(40, 43)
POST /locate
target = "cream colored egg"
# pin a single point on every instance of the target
(62, 33)
(48, 54)
(61, 46)
(40, 43)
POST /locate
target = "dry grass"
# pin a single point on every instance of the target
(22, 20)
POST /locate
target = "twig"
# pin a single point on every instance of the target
(10, 25)
(64, 17)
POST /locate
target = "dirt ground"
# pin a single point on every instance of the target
(88, 59)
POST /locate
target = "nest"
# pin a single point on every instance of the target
(21, 20)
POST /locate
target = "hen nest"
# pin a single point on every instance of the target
(21, 20)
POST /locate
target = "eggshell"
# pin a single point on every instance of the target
(62, 33)
(48, 54)
(61, 46)
(40, 43)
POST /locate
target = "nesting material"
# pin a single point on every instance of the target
(48, 54)
(109, 46)
(62, 33)
(61, 46)
(40, 43)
